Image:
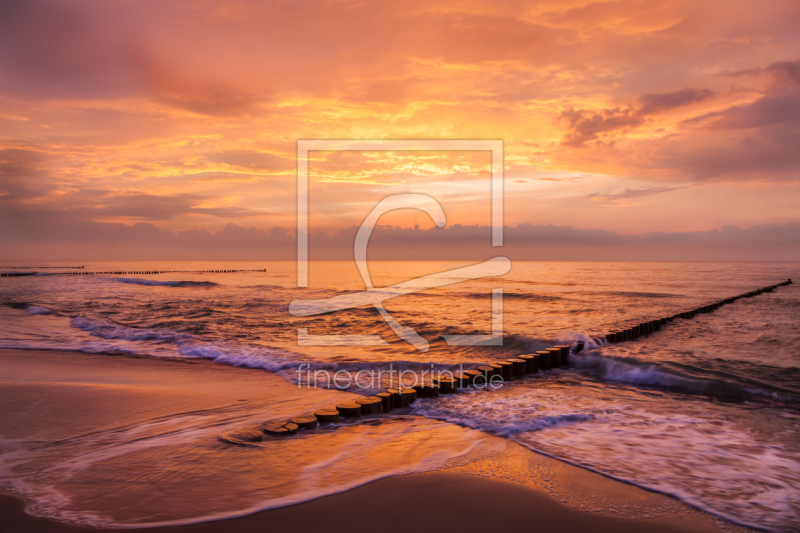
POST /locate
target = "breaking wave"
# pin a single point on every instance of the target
(156, 283)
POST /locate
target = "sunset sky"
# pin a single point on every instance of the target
(166, 129)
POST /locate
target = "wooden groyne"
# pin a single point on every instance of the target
(485, 375)
(634, 331)
(41, 267)
(126, 273)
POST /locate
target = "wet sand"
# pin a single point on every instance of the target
(64, 394)
(435, 502)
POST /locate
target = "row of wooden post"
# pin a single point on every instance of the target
(484, 376)
(645, 328)
(41, 267)
(127, 273)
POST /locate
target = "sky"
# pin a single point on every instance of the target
(631, 129)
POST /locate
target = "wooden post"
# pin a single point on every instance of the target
(483, 381)
(507, 369)
(304, 422)
(474, 374)
(386, 400)
(530, 363)
(462, 380)
(446, 385)
(497, 370)
(564, 353)
(397, 400)
(371, 405)
(280, 429)
(487, 370)
(409, 396)
(431, 389)
(517, 367)
(555, 357)
(544, 357)
(349, 410)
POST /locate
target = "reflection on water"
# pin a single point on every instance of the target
(705, 409)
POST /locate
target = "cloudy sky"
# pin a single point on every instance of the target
(168, 129)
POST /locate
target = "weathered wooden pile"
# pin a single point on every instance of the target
(634, 331)
(489, 375)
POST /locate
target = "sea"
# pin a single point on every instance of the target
(706, 409)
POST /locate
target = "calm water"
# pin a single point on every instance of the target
(656, 412)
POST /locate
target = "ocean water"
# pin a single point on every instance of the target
(707, 409)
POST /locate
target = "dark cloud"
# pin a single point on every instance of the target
(22, 175)
(754, 141)
(458, 242)
(14, 161)
(94, 50)
(658, 103)
(785, 71)
(757, 140)
(771, 110)
(585, 125)
(782, 72)
(49, 48)
(199, 95)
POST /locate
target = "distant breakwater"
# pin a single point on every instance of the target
(124, 272)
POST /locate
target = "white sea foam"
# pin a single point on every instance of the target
(573, 337)
(627, 371)
(334, 461)
(689, 456)
(37, 310)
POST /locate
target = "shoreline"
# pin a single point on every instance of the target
(497, 491)
(428, 502)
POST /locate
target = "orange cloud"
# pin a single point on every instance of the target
(187, 114)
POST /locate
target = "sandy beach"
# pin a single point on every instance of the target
(58, 396)
(432, 502)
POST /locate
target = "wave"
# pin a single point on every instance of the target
(156, 283)
(37, 310)
(187, 345)
(761, 376)
(629, 294)
(634, 372)
(574, 337)
(515, 421)
(509, 295)
(364, 377)
(294, 368)
(166, 342)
